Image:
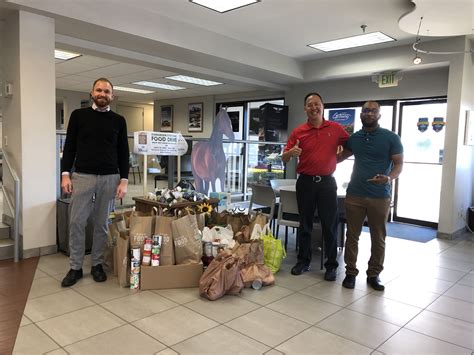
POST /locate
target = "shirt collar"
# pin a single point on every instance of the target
(324, 124)
(105, 109)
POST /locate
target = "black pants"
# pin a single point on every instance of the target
(321, 193)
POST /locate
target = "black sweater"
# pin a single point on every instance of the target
(96, 143)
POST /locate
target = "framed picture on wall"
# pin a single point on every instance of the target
(167, 118)
(195, 117)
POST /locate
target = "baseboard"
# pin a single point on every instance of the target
(451, 236)
(34, 252)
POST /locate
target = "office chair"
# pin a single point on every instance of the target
(264, 197)
(134, 164)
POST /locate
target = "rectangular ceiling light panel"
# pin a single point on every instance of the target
(224, 5)
(190, 79)
(352, 42)
(158, 85)
(65, 55)
(138, 91)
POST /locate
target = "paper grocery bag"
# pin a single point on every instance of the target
(141, 227)
(123, 259)
(187, 240)
(163, 228)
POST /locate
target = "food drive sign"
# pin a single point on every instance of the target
(159, 143)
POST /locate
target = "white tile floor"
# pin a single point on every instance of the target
(427, 308)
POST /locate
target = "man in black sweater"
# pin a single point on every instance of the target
(97, 146)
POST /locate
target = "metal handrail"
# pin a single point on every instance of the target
(16, 211)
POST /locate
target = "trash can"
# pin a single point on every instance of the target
(63, 227)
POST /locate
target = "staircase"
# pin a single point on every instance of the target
(6, 243)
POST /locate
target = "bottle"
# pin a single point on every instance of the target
(257, 284)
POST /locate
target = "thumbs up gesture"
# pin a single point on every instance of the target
(296, 150)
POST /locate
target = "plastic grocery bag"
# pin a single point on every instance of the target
(273, 250)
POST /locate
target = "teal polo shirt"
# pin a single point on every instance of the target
(372, 152)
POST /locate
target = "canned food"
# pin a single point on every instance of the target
(136, 253)
(134, 281)
(135, 266)
(148, 244)
(146, 259)
(155, 250)
(155, 260)
(208, 249)
(157, 239)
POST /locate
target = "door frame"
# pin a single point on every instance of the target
(402, 104)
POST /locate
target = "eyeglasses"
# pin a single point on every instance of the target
(370, 110)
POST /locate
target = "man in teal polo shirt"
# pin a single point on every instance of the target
(378, 159)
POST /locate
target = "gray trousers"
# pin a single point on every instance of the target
(85, 186)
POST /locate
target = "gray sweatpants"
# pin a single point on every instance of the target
(84, 187)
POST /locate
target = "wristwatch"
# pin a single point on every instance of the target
(389, 179)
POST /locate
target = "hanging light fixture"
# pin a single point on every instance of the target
(418, 59)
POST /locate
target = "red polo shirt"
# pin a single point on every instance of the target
(319, 147)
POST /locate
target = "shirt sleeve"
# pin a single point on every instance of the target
(123, 152)
(343, 136)
(70, 145)
(396, 146)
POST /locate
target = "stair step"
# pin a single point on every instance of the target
(4, 231)
(6, 249)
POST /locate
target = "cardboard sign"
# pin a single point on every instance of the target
(159, 143)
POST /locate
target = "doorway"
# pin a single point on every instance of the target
(417, 192)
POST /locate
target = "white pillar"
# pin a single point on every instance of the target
(29, 126)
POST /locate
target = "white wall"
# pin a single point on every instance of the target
(30, 125)
(180, 115)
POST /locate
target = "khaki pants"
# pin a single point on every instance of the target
(376, 211)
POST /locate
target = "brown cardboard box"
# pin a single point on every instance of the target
(170, 276)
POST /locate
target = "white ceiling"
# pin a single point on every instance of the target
(258, 47)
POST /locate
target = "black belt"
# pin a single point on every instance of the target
(317, 178)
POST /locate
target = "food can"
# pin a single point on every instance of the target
(155, 250)
(208, 249)
(136, 253)
(147, 245)
(157, 239)
(215, 249)
(134, 281)
(146, 259)
(155, 260)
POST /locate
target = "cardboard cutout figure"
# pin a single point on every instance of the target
(208, 159)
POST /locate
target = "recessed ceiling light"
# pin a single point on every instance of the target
(190, 79)
(138, 91)
(224, 5)
(351, 42)
(158, 85)
(64, 55)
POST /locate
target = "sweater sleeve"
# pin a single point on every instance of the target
(70, 145)
(123, 151)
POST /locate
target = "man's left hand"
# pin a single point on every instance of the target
(379, 179)
(121, 189)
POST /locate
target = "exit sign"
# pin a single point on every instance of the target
(387, 80)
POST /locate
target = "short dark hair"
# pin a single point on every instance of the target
(313, 94)
(104, 80)
(372, 101)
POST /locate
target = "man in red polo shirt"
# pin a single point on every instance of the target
(315, 143)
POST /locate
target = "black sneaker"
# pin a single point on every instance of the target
(98, 273)
(374, 282)
(349, 281)
(330, 274)
(299, 268)
(71, 278)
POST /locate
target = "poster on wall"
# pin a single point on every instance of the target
(236, 115)
(167, 118)
(195, 112)
(345, 117)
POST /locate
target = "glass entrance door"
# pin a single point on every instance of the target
(422, 130)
